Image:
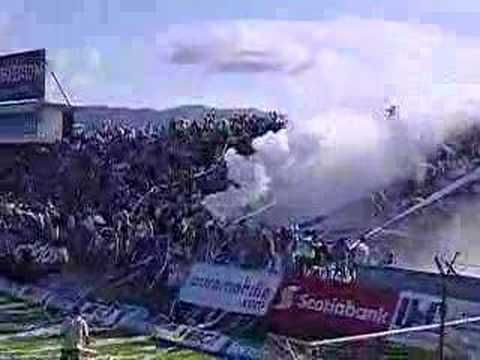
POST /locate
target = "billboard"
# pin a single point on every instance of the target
(230, 288)
(22, 76)
(311, 307)
(414, 309)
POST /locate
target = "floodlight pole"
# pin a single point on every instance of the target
(64, 94)
(443, 306)
(59, 86)
(443, 315)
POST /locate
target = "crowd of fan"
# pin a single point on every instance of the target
(454, 158)
(130, 200)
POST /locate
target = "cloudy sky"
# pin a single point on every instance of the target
(331, 65)
(262, 53)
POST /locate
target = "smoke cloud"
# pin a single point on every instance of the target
(443, 229)
(334, 79)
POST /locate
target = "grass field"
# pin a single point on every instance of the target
(28, 332)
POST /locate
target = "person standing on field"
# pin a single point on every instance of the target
(76, 338)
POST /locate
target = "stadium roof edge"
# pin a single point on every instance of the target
(32, 102)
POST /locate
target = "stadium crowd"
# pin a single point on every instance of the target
(130, 200)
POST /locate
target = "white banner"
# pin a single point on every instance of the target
(414, 309)
(208, 341)
(421, 309)
(230, 289)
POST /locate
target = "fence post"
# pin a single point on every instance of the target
(443, 306)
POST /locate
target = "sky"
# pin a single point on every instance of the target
(116, 52)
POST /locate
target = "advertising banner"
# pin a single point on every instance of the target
(208, 341)
(211, 342)
(313, 308)
(230, 289)
(22, 76)
(242, 351)
(414, 309)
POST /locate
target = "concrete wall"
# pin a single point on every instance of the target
(51, 124)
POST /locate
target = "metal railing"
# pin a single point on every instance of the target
(390, 344)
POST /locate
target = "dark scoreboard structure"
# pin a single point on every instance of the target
(22, 76)
(25, 116)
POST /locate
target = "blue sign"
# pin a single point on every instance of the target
(22, 76)
(18, 125)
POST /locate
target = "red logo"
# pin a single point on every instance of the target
(307, 307)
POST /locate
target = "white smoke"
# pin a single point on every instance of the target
(252, 177)
(443, 229)
(333, 78)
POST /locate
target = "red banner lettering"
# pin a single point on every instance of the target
(316, 308)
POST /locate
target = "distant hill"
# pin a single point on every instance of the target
(92, 116)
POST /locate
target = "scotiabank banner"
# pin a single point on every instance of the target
(311, 307)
